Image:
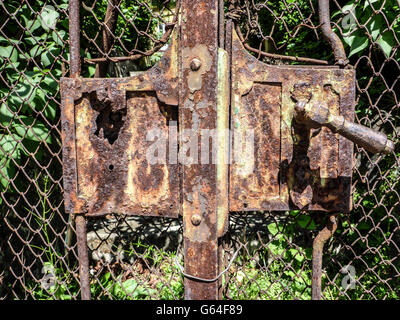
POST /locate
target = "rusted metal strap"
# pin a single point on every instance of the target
(277, 56)
(333, 39)
(83, 255)
(318, 246)
(189, 276)
(198, 111)
(74, 39)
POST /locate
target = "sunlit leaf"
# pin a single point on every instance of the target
(32, 129)
(48, 18)
(386, 42)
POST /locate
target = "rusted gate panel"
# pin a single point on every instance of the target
(109, 126)
(290, 166)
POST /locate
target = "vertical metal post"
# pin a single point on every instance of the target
(333, 39)
(83, 256)
(74, 39)
(198, 111)
(80, 220)
(318, 246)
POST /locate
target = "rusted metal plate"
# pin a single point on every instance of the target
(289, 166)
(115, 151)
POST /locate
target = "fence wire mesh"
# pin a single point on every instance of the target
(136, 257)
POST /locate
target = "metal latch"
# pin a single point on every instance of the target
(319, 115)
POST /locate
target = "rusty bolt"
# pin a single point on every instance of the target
(196, 219)
(195, 64)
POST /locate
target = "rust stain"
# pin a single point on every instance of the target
(104, 128)
(295, 166)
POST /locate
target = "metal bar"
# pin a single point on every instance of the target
(221, 24)
(198, 111)
(110, 23)
(81, 235)
(329, 35)
(74, 39)
(318, 246)
(277, 56)
(80, 221)
(319, 115)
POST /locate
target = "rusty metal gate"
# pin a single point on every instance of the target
(180, 91)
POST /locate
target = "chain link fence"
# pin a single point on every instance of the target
(268, 254)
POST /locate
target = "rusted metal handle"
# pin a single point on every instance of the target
(318, 115)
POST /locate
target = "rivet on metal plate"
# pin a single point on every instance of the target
(196, 219)
(195, 64)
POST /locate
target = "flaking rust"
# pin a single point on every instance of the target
(105, 123)
(294, 167)
(198, 110)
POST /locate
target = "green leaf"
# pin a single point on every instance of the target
(32, 129)
(5, 115)
(348, 7)
(49, 55)
(370, 3)
(48, 18)
(92, 71)
(129, 286)
(273, 228)
(9, 52)
(305, 221)
(23, 92)
(297, 255)
(31, 25)
(7, 173)
(51, 82)
(358, 43)
(374, 26)
(9, 147)
(386, 42)
(32, 40)
(35, 51)
(50, 111)
(59, 37)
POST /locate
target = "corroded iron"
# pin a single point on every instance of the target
(295, 167)
(198, 110)
(318, 246)
(332, 38)
(319, 115)
(105, 125)
(292, 136)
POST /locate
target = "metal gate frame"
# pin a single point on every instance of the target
(202, 245)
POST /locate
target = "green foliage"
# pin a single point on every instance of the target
(30, 65)
(369, 22)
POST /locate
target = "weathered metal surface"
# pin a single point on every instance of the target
(222, 137)
(318, 247)
(197, 111)
(83, 255)
(107, 141)
(318, 115)
(110, 24)
(69, 163)
(74, 38)
(333, 39)
(291, 166)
